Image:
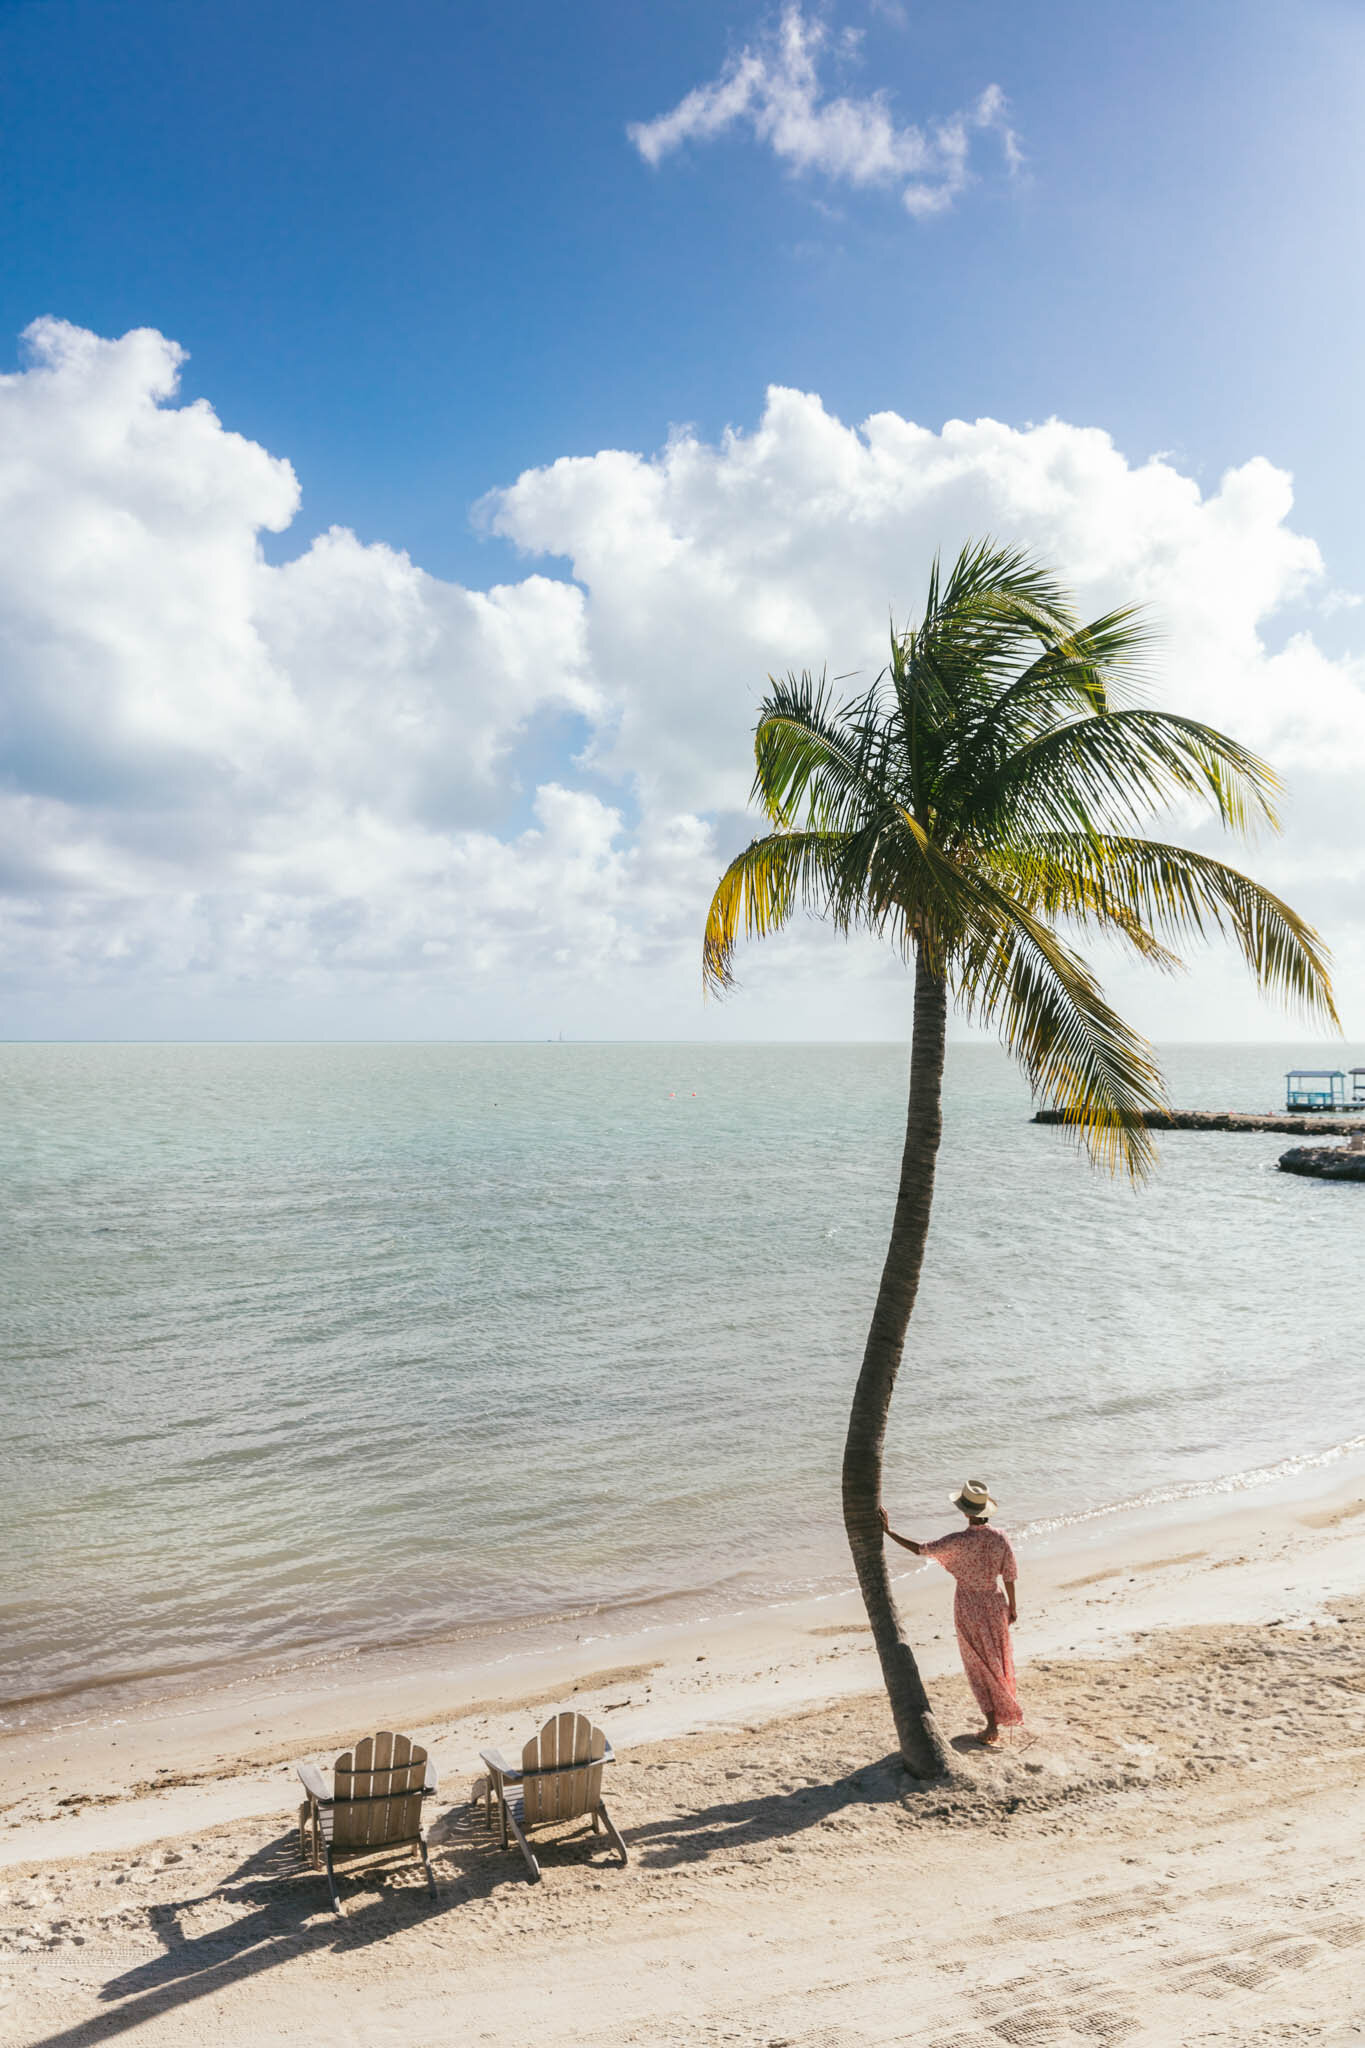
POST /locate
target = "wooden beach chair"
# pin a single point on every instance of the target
(559, 1779)
(374, 1808)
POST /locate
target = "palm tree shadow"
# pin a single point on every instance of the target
(287, 1914)
(734, 1824)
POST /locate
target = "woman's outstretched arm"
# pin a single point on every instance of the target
(905, 1542)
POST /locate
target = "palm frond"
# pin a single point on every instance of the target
(1007, 967)
(1050, 888)
(986, 574)
(1093, 669)
(812, 761)
(831, 874)
(983, 789)
(1051, 1014)
(1096, 774)
(1104, 878)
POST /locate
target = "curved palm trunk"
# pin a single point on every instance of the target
(922, 1743)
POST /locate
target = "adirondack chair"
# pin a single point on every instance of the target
(374, 1807)
(559, 1779)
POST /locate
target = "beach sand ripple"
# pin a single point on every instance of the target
(1168, 1854)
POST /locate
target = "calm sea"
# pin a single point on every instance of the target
(315, 1347)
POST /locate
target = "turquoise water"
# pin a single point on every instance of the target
(310, 1348)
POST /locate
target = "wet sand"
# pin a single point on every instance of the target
(1168, 1853)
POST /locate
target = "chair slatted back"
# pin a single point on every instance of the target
(566, 1757)
(377, 1792)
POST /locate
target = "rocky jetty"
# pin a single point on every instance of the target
(1313, 1125)
(1324, 1162)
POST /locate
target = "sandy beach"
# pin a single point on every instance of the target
(1169, 1852)
(682, 730)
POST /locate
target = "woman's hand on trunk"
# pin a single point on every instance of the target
(905, 1542)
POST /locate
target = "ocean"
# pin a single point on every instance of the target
(316, 1348)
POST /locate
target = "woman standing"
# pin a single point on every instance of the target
(979, 1558)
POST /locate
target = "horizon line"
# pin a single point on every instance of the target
(981, 1042)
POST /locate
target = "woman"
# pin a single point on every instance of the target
(978, 1557)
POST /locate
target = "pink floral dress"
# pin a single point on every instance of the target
(977, 1558)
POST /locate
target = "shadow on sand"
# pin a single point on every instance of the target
(282, 1912)
(770, 1817)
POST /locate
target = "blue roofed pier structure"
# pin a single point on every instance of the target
(1322, 1088)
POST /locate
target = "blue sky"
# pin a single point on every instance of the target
(412, 251)
(411, 246)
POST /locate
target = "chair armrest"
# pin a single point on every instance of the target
(499, 1766)
(429, 1782)
(314, 1784)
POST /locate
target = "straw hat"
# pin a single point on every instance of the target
(975, 1500)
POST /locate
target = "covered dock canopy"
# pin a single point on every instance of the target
(1358, 1088)
(1315, 1088)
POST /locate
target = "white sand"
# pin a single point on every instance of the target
(1171, 1854)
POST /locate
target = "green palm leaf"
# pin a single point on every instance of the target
(1185, 895)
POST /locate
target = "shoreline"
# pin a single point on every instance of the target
(1282, 1551)
(1167, 1852)
(130, 1695)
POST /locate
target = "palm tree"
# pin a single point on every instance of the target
(982, 794)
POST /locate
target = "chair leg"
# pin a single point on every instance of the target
(611, 1830)
(522, 1844)
(426, 1864)
(332, 1882)
(310, 1834)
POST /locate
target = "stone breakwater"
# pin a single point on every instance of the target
(1324, 1162)
(1312, 1126)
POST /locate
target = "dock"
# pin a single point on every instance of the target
(1312, 1125)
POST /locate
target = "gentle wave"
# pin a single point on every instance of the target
(1200, 1489)
(315, 1351)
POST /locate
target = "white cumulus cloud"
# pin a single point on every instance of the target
(774, 88)
(708, 566)
(273, 797)
(211, 765)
